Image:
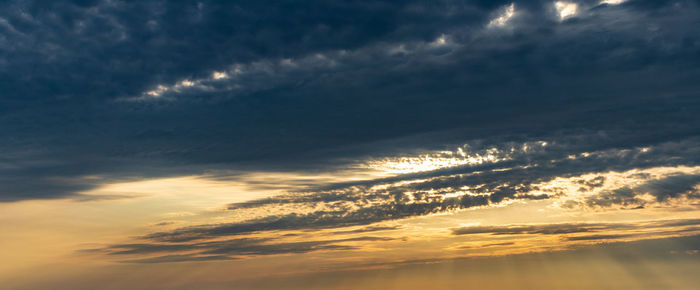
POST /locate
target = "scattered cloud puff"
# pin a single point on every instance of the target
(612, 2)
(503, 17)
(566, 9)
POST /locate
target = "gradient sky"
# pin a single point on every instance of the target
(341, 144)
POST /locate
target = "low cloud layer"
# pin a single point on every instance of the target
(174, 249)
(228, 249)
(571, 228)
(613, 178)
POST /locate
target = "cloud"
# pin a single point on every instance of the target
(400, 109)
(321, 219)
(513, 176)
(204, 247)
(489, 245)
(368, 229)
(503, 18)
(671, 186)
(566, 9)
(358, 205)
(583, 231)
(612, 2)
(599, 237)
(547, 229)
(228, 249)
(661, 190)
(591, 178)
(178, 258)
(316, 89)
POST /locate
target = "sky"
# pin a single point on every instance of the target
(350, 144)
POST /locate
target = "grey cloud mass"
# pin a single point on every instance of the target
(661, 189)
(247, 85)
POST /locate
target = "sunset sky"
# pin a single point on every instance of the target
(446, 144)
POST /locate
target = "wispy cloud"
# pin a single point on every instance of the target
(598, 178)
(230, 249)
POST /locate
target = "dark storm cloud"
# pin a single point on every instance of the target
(326, 81)
(671, 186)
